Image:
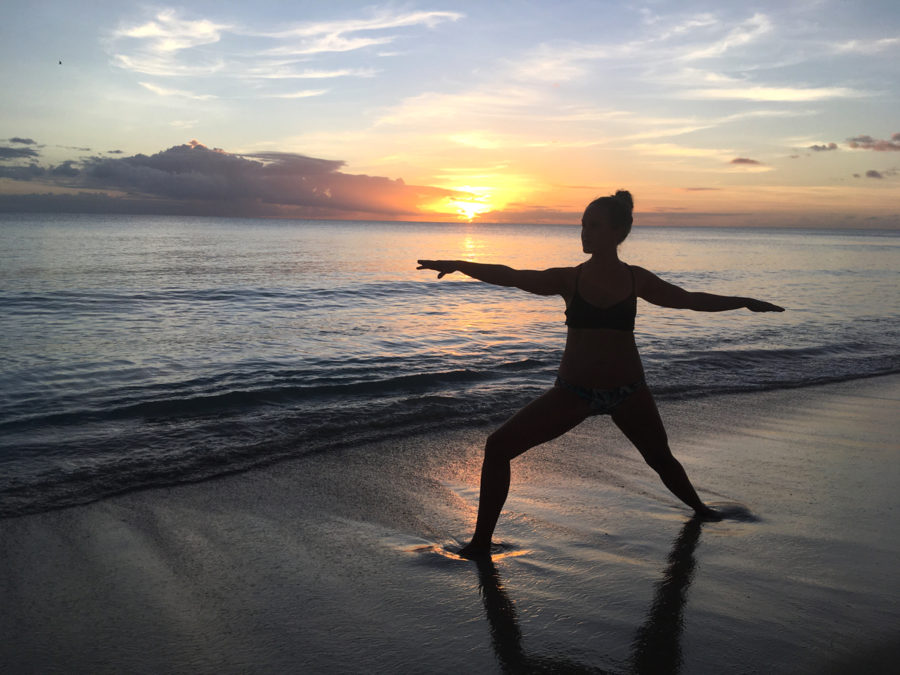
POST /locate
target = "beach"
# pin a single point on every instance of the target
(342, 561)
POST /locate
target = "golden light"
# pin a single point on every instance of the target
(468, 209)
(471, 202)
(492, 192)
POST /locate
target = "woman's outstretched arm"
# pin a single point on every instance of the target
(653, 289)
(541, 282)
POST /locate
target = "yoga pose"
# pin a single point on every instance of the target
(601, 371)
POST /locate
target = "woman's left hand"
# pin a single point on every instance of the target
(442, 266)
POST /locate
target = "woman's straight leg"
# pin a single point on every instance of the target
(547, 417)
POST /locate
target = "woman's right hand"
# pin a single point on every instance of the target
(442, 266)
(761, 306)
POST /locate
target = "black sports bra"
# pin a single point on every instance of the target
(582, 314)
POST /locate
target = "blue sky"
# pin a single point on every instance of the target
(779, 113)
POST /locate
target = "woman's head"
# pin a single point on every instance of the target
(615, 211)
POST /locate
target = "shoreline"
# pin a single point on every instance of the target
(338, 561)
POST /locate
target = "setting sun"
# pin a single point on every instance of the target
(468, 209)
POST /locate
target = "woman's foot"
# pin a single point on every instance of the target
(473, 550)
(707, 514)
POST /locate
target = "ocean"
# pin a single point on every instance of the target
(143, 351)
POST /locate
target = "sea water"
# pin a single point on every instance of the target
(142, 351)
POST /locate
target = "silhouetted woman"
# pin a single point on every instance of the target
(601, 371)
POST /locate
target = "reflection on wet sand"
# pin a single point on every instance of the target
(506, 638)
(657, 645)
(656, 648)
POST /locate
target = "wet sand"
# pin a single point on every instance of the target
(342, 561)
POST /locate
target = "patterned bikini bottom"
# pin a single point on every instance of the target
(602, 401)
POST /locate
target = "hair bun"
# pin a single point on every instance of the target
(624, 196)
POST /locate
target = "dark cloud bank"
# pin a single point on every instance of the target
(193, 179)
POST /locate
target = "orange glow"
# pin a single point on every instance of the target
(479, 192)
(472, 202)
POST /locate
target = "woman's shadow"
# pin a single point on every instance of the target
(656, 647)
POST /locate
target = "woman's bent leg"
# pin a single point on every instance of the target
(550, 415)
(639, 420)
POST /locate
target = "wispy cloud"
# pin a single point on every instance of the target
(673, 150)
(169, 33)
(867, 46)
(744, 33)
(303, 93)
(284, 70)
(164, 91)
(773, 94)
(170, 45)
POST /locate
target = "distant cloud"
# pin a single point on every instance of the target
(114, 152)
(23, 141)
(867, 46)
(745, 160)
(66, 169)
(26, 173)
(783, 94)
(7, 153)
(823, 148)
(283, 70)
(263, 183)
(699, 189)
(303, 93)
(745, 33)
(871, 173)
(163, 91)
(869, 143)
(172, 45)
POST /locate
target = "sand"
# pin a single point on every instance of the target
(340, 561)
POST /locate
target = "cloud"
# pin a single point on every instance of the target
(169, 45)
(263, 183)
(823, 148)
(303, 93)
(23, 141)
(699, 189)
(26, 173)
(869, 143)
(745, 160)
(162, 91)
(695, 38)
(783, 94)
(867, 46)
(673, 150)
(7, 153)
(871, 173)
(745, 33)
(169, 33)
(283, 70)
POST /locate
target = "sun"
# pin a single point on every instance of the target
(474, 195)
(468, 209)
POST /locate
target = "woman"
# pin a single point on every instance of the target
(601, 371)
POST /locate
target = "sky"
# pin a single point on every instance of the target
(710, 113)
